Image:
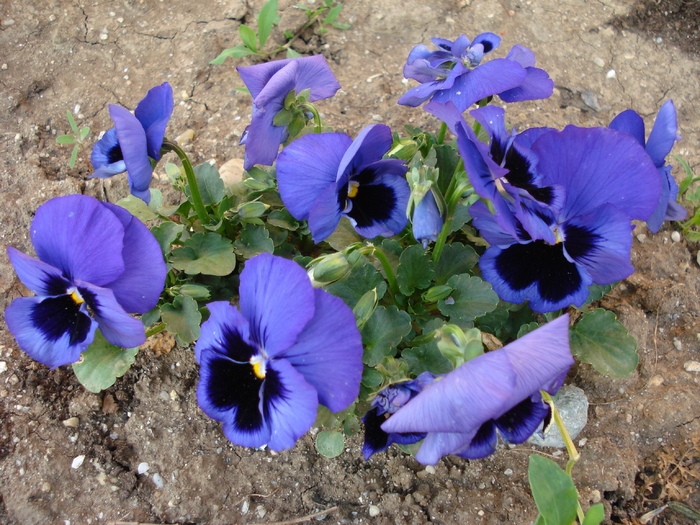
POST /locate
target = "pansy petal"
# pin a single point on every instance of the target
(536, 85)
(439, 444)
(271, 97)
(226, 332)
(315, 74)
(133, 143)
(256, 77)
(448, 113)
(629, 122)
(39, 277)
(308, 166)
(138, 288)
(522, 55)
(426, 221)
(328, 352)
(521, 421)
(500, 229)
(277, 299)
(51, 330)
(106, 156)
(598, 166)
(325, 214)
(489, 41)
(289, 404)
(483, 443)
(459, 46)
(263, 138)
(77, 235)
(153, 112)
(663, 134)
(369, 146)
(376, 440)
(660, 214)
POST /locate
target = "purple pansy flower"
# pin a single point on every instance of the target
(455, 73)
(135, 140)
(550, 256)
(461, 411)
(269, 83)
(96, 263)
(387, 402)
(326, 176)
(265, 368)
(661, 139)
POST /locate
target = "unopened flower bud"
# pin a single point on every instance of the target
(328, 269)
(434, 294)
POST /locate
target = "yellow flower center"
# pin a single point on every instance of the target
(75, 295)
(353, 188)
(258, 363)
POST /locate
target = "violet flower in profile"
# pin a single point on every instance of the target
(135, 140)
(269, 84)
(265, 368)
(496, 392)
(96, 262)
(658, 146)
(454, 73)
(427, 220)
(326, 176)
(550, 256)
(387, 402)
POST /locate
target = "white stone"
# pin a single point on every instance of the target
(142, 468)
(599, 62)
(158, 481)
(572, 404)
(373, 511)
(77, 462)
(3, 366)
(691, 366)
(610, 74)
(676, 236)
(430, 469)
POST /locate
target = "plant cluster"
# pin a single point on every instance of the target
(436, 290)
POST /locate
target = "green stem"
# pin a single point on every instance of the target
(191, 180)
(574, 456)
(155, 330)
(388, 270)
(441, 133)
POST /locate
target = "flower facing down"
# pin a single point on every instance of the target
(269, 84)
(461, 412)
(387, 402)
(135, 140)
(265, 368)
(326, 176)
(454, 73)
(661, 139)
(427, 220)
(96, 262)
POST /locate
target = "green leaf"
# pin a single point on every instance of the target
(266, 19)
(595, 515)
(182, 318)
(415, 270)
(527, 328)
(471, 298)
(232, 52)
(383, 332)
(138, 208)
(283, 118)
(83, 133)
(211, 187)
(553, 490)
(283, 219)
(102, 363)
(595, 293)
(371, 378)
(74, 156)
(248, 37)
(166, 234)
(71, 121)
(426, 358)
(206, 253)
(254, 239)
(456, 258)
(602, 341)
(66, 139)
(362, 279)
(330, 443)
(292, 54)
(250, 210)
(333, 14)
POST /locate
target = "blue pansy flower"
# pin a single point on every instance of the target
(326, 176)
(386, 403)
(269, 83)
(498, 391)
(661, 139)
(550, 256)
(454, 73)
(96, 262)
(135, 140)
(265, 367)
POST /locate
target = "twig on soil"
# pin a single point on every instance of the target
(304, 518)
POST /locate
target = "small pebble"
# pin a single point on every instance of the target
(610, 74)
(71, 422)
(142, 468)
(691, 366)
(641, 237)
(77, 461)
(508, 471)
(595, 496)
(377, 118)
(373, 511)
(430, 469)
(3, 366)
(599, 62)
(45, 487)
(158, 481)
(676, 236)
(677, 344)
(658, 40)
(260, 510)
(657, 380)
(3, 67)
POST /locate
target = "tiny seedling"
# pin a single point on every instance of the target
(77, 139)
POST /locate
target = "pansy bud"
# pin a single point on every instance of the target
(458, 346)
(329, 269)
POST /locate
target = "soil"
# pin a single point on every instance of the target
(148, 453)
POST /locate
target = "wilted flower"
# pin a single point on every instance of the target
(326, 176)
(135, 140)
(661, 139)
(499, 390)
(264, 369)
(455, 73)
(269, 84)
(96, 263)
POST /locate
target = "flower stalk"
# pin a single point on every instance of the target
(199, 208)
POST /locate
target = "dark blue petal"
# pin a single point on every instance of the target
(483, 443)
(489, 41)
(376, 440)
(664, 134)
(264, 138)
(521, 421)
(134, 147)
(106, 157)
(39, 277)
(154, 112)
(226, 333)
(369, 146)
(536, 85)
(630, 122)
(325, 213)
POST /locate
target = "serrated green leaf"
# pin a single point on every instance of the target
(182, 318)
(211, 187)
(595, 293)
(362, 279)
(553, 490)
(330, 443)
(266, 19)
(248, 37)
(138, 208)
(102, 363)
(599, 339)
(456, 258)
(206, 253)
(232, 52)
(292, 54)
(371, 378)
(527, 328)
(254, 239)
(383, 332)
(426, 358)
(471, 298)
(166, 234)
(66, 139)
(595, 515)
(415, 270)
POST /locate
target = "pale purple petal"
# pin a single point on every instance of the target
(369, 146)
(522, 55)
(537, 85)
(663, 134)
(438, 444)
(315, 74)
(34, 274)
(133, 143)
(106, 157)
(325, 213)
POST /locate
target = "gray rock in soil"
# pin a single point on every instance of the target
(572, 405)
